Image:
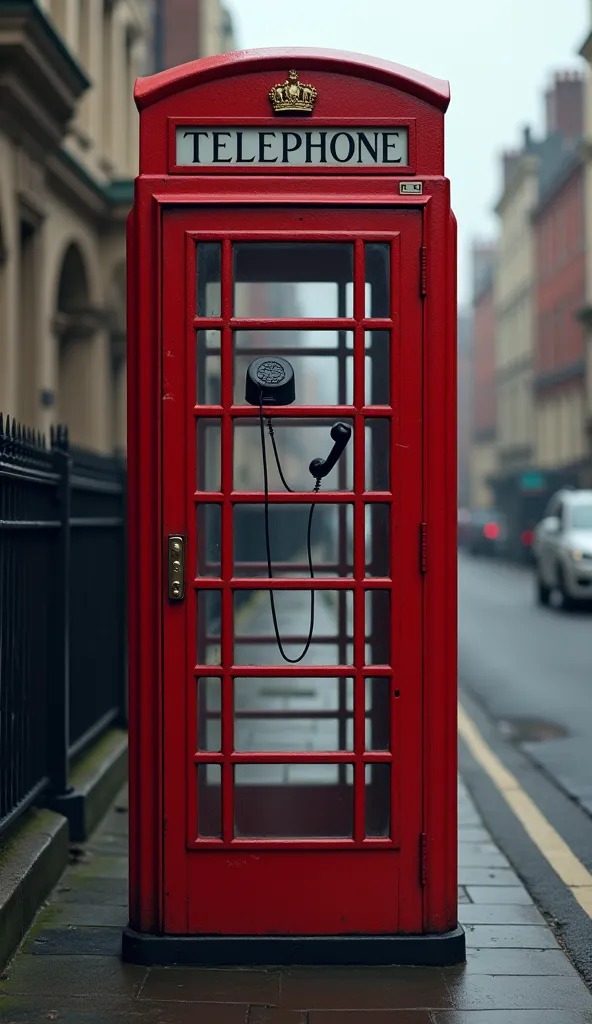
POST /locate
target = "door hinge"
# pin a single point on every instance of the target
(423, 547)
(423, 858)
(423, 270)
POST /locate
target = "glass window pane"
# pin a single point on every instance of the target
(209, 711)
(209, 264)
(331, 535)
(209, 801)
(318, 359)
(378, 800)
(255, 642)
(378, 368)
(378, 627)
(293, 801)
(378, 264)
(208, 367)
(209, 625)
(209, 454)
(378, 451)
(378, 539)
(292, 714)
(293, 279)
(378, 713)
(299, 441)
(209, 540)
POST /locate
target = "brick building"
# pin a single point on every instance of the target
(187, 29)
(560, 285)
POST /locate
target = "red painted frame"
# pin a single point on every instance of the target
(173, 95)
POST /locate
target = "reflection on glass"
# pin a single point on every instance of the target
(209, 711)
(378, 713)
(378, 800)
(208, 367)
(209, 801)
(209, 454)
(308, 277)
(299, 441)
(378, 539)
(332, 643)
(331, 535)
(378, 451)
(378, 627)
(378, 368)
(209, 534)
(292, 714)
(378, 263)
(293, 801)
(209, 263)
(209, 624)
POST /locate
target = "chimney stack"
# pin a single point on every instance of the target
(565, 105)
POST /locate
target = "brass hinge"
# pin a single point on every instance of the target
(423, 858)
(423, 270)
(423, 547)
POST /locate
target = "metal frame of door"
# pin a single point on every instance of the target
(363, 885)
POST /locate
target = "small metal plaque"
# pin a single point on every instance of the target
(411, 188)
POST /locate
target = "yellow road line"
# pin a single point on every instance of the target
(564, 862)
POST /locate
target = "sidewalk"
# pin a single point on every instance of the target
(68, 968)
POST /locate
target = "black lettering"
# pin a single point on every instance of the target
(216, 135)
(196, 136)
(286, 149)
(386, 145)
(220, 145)
(364, 141)
(322, 146)
(239, 150)
(351, 147)
(263, 145)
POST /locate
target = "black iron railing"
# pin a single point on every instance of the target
(62, 610)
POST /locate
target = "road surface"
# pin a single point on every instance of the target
(529, 668)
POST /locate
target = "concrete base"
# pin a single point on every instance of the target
(96, 779)
(285, 950)
(34, 853)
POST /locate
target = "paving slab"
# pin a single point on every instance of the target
(499, 913)
(508, 936)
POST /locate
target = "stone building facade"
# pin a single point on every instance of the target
(68, 157)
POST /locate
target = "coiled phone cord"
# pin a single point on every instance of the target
(292, 661)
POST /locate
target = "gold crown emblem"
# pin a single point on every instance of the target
(292, 96)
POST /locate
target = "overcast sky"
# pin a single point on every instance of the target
(499, 56)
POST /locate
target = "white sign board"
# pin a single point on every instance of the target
(295, 147)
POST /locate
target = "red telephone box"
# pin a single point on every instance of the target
(292, 677)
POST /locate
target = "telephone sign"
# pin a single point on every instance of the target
(291, 403)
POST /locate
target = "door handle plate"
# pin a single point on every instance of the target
(176, 567)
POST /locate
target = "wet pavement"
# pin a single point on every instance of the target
(69, 969)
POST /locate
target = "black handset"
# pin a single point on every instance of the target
(270, 381)
(341, 434)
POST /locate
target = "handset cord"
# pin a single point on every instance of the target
(293, 661)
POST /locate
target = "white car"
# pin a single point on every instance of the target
(562, 548)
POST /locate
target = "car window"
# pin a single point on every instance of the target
(560, 513)
(581, 517)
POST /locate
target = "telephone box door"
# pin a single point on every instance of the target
(292, 789)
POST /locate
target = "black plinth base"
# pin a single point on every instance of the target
(287, 951)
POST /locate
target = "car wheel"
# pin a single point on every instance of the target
(567, 602)
(543, 592)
